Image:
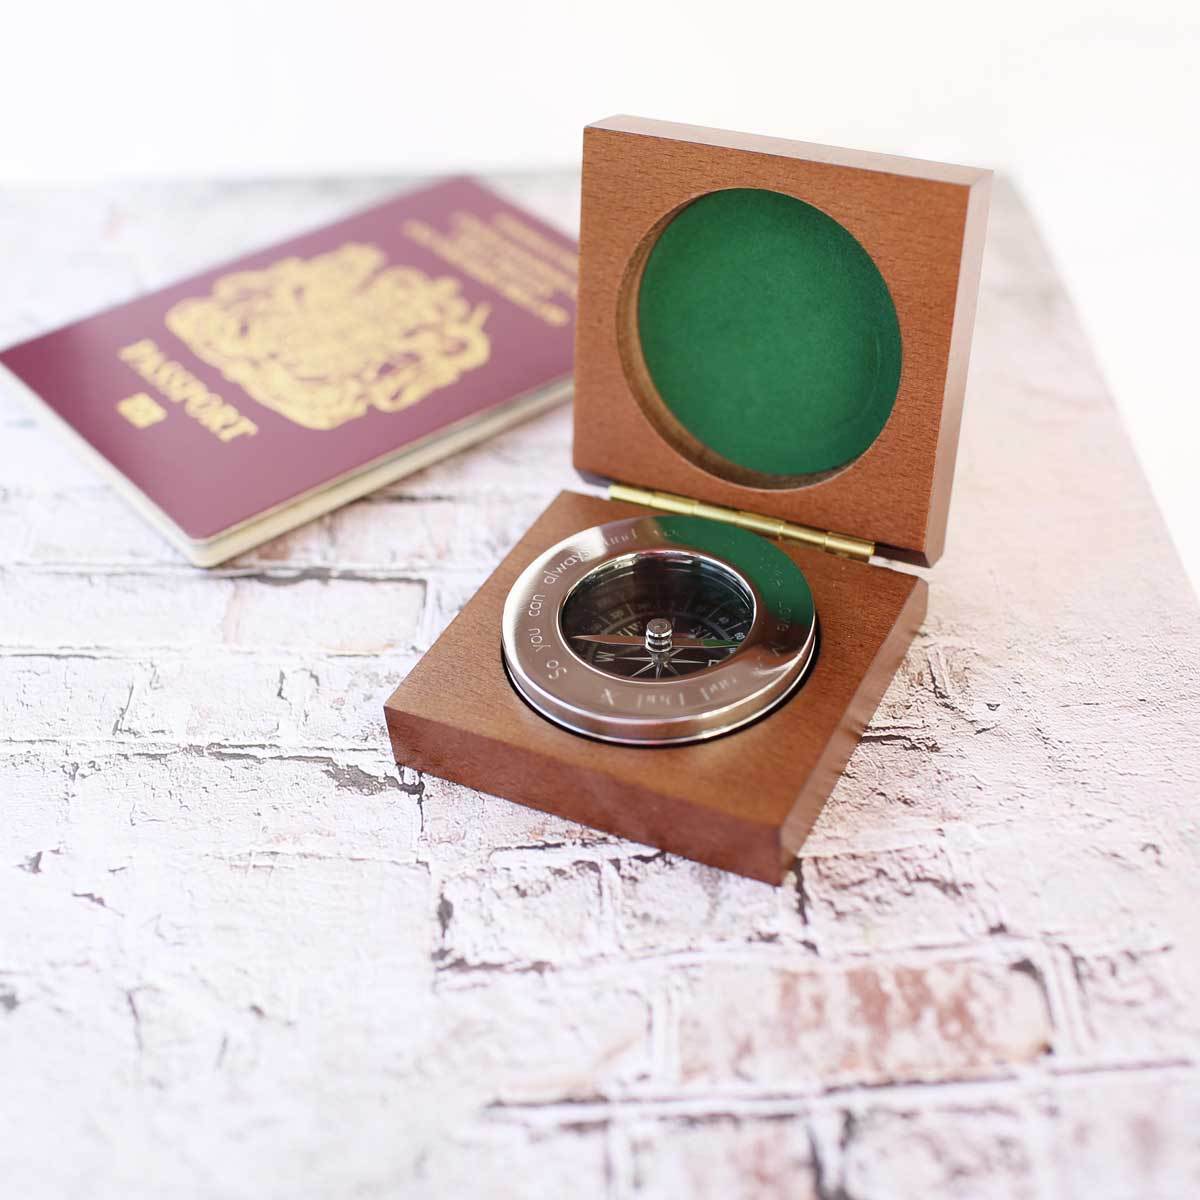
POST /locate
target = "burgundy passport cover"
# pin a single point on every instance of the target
(241, 389)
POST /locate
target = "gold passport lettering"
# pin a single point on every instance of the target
(141, 410)
(324, 340)
(180, 386)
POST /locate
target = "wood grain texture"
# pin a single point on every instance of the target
(922, 223)
(727, 802)
(242, 956)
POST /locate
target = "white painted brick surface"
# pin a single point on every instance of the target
(983, 1152)
(243, 955)
(768, 1026)
(742, 1158)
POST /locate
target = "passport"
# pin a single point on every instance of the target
(242, 402)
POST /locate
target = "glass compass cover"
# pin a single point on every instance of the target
(657, 630)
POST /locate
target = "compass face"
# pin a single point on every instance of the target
(658, 630)
(707, 611)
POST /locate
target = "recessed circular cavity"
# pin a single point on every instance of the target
(769, 334)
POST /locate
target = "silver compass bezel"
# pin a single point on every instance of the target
(560, 685)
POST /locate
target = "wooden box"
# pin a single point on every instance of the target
(770, 332)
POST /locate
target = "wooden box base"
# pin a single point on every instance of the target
(744, 802)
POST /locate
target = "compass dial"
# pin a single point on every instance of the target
(658, 630)
(697, 614)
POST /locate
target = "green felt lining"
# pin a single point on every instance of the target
(769, 333)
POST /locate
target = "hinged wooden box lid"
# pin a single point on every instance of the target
(777, 327)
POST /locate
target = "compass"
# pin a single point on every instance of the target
(658, 630)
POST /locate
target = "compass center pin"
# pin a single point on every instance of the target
(658, 635)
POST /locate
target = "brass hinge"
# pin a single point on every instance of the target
(841, 544)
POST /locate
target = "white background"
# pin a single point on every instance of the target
(1095, 108)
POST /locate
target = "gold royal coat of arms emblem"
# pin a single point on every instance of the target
(324, 340)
